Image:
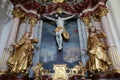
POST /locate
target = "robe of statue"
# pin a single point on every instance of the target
(21, 57)
(98, 60)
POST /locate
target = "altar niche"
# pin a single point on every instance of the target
(49, 53)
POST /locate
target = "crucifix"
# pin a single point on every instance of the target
(60, 29)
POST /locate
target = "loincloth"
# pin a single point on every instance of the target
(66, 35)
(58, 29)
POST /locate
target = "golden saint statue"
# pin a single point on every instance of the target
(22, 54)
(98, 60)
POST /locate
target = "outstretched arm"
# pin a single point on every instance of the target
(101, 34)
(68, 17)
(49, 18)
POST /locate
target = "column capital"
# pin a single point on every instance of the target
(86, 20)
(96, 18)
(24, 19)
(99, 12)
(33, 21)
(18, 13)
(103, 10)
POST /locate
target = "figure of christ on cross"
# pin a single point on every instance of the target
(60, 29)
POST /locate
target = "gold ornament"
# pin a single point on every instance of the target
(38, 70)
(96, 18)
(33, 21)
(24, 19)
(66, 35)
(59, 10)
(60, 72)
(78, 70)
(17, 13)
(58, 1)
(86, 20)
(103, 11)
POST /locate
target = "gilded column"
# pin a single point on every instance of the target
(17, 14)
(112, 51)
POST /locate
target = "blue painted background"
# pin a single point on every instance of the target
(49, 54)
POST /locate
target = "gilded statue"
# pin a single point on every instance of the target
(97, 49)
(38, 70)
(21, 57)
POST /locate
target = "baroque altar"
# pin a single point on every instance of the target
(60, 40)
